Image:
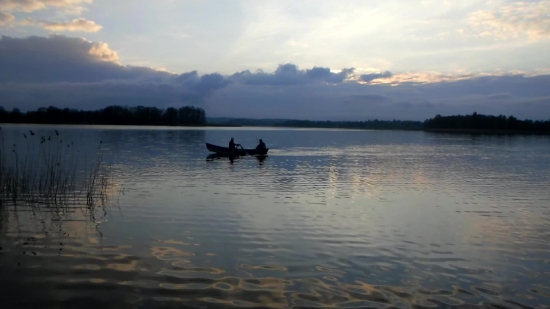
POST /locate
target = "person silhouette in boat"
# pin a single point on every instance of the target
(232, 145)
(261, 145)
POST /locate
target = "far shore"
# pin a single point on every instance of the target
(487, 132)
(110, 124)
(448, 131)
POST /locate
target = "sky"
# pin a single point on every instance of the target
(320, 60)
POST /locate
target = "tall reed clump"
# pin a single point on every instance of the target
(48, 172)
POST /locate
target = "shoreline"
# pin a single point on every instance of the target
(430, 130)
(486, 132)
(107, 124)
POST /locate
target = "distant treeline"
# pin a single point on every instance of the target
(365, 125)
(112, 115)
(474, 123)
(480, 122)
(140, 115)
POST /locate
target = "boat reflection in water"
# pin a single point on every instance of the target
(214, 156)
(261, 158)
(217, 156)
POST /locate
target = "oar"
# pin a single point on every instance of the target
(243, 149)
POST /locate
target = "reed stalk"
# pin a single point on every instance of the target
(46, 171)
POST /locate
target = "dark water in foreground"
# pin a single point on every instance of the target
(335, 218)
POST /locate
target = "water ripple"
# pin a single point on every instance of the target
(336, 219)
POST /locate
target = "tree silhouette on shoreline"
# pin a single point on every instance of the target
(111, 115)
(477, 121)
(190, 115)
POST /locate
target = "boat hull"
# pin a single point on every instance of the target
(257, 152)
(225, 150)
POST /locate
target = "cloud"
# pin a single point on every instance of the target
(73, 72)
(103, 52)
(289, 74)
(59, 59)
(34, 70)
(6, 19)
(79, 24)
(371, 98)
(500, 96)
(210, 82)
(36, 5)
(326, 75)
(187, 77)
(95, 95)
(520, 19)
(28, 21)
(517, 95)
(71, 7)
(205, 84)
(373, 76)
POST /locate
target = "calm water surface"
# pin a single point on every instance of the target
(331, 218)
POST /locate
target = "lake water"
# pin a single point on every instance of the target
(331, 218)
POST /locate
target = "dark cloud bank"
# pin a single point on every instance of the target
(75, 73)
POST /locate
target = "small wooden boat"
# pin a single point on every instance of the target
(225, 150)
(257, 152)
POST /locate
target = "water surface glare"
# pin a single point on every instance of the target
(331, 218)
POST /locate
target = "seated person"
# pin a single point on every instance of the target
(232, 144)
(261, 145)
